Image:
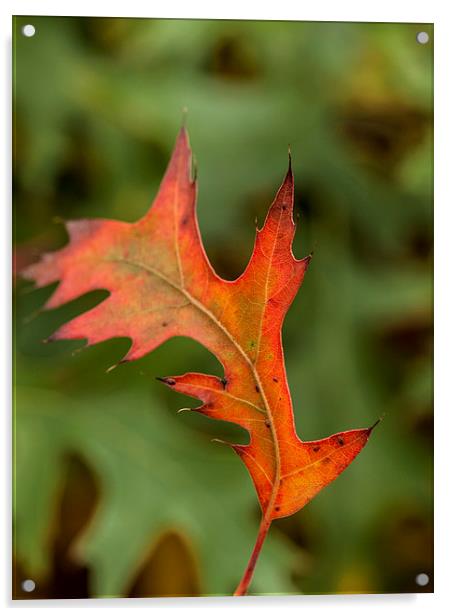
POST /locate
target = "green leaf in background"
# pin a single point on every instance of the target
(154, 476)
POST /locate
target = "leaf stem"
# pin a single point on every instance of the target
(242, 588)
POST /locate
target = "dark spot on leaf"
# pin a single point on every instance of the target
(267, 423)
(184, 221)
(326, 460)
(257, 389)
(284, 208)
(316, 448)
(164, 324)
(340, 440)
(224, 382)
(277, 508)
(275, 380)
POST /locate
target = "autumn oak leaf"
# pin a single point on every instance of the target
(161, 284)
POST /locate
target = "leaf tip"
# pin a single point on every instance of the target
(375, 424)
(221, 442)
(31, 317)
(52, 338)
(167, 380)
(184, 111)
(308, 258)
(124, 360)
(185, 408)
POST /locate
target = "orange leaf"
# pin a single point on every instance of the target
(162, 285)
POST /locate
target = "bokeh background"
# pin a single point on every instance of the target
(115, 494)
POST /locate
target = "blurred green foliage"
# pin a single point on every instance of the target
(113, 493)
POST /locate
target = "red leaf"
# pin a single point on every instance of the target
(162, 285)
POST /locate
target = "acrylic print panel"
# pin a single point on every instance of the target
(116, 494)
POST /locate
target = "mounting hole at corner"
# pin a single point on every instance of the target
(422, 579)
(28, 585)
(422, 38)
(29, 30)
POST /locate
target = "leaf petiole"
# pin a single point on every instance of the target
(242, 588)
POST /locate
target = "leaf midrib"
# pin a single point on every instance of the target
(212, 317)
